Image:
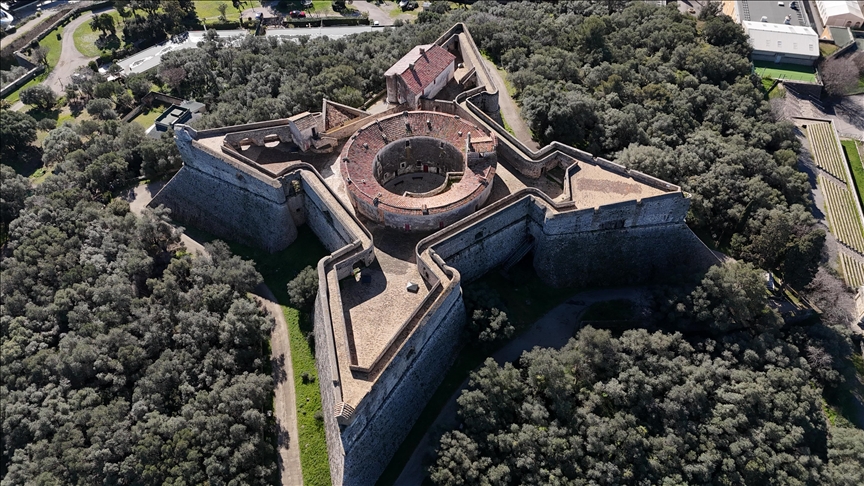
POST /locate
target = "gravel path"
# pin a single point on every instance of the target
(70, 58)
(510, 111)
(552, 331)
(284, 400)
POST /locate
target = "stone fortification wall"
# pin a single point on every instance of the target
(617, 244)
(327, 224)
(386, 415)
(485, 244)
(621, 256)
(328, 378)
(227, 200)
(350, 128)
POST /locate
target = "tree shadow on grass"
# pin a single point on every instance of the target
(109, 43)
(27, 162)
(39, 114)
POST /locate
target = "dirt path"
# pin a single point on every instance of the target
(284, 402)
(510, 111)
(70, 58)
(553, 330)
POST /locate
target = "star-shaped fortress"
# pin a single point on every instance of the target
(427, 192)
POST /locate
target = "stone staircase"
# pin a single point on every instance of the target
(518, 254)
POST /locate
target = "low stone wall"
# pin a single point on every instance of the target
(21, 81)
(147, 101)
(47, 25)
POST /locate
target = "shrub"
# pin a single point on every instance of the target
(40, 96)
(47, 124)
(303, 288)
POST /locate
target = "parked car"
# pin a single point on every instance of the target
(407, 5)
(6, 20)
(297, 14)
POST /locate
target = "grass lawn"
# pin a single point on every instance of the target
(53, 44)
(785, 71)
(208, 9)
(85, 37)
(15, 95)
(40, 175)
(827, 49)
(145, 119)
(528, 299)
(278, 269)
(318, 8)
(854, 158)
(310, 430)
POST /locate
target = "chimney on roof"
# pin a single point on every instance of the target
(422, 51)
(411, 66)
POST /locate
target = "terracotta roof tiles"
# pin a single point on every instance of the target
(427, 66)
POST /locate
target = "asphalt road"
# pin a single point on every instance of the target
(149, 58)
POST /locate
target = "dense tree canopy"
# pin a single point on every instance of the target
(668, 96)
(125, 360)
(17, 131)
(646, 408)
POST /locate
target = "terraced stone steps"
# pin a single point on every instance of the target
(825, 149)
(853, 270)
(842, 214)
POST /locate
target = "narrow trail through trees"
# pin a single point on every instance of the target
(284, 399)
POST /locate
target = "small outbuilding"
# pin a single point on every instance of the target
(840, 13)
(419, 74)
(781, 43)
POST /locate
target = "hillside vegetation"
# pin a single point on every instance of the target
(125, 360)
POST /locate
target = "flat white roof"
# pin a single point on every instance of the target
(782, 38)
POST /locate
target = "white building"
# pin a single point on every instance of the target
(839, 13)
(782, 43)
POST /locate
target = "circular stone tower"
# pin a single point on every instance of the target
(418, 170)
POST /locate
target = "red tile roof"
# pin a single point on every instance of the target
(358, 154)
(427, 67)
